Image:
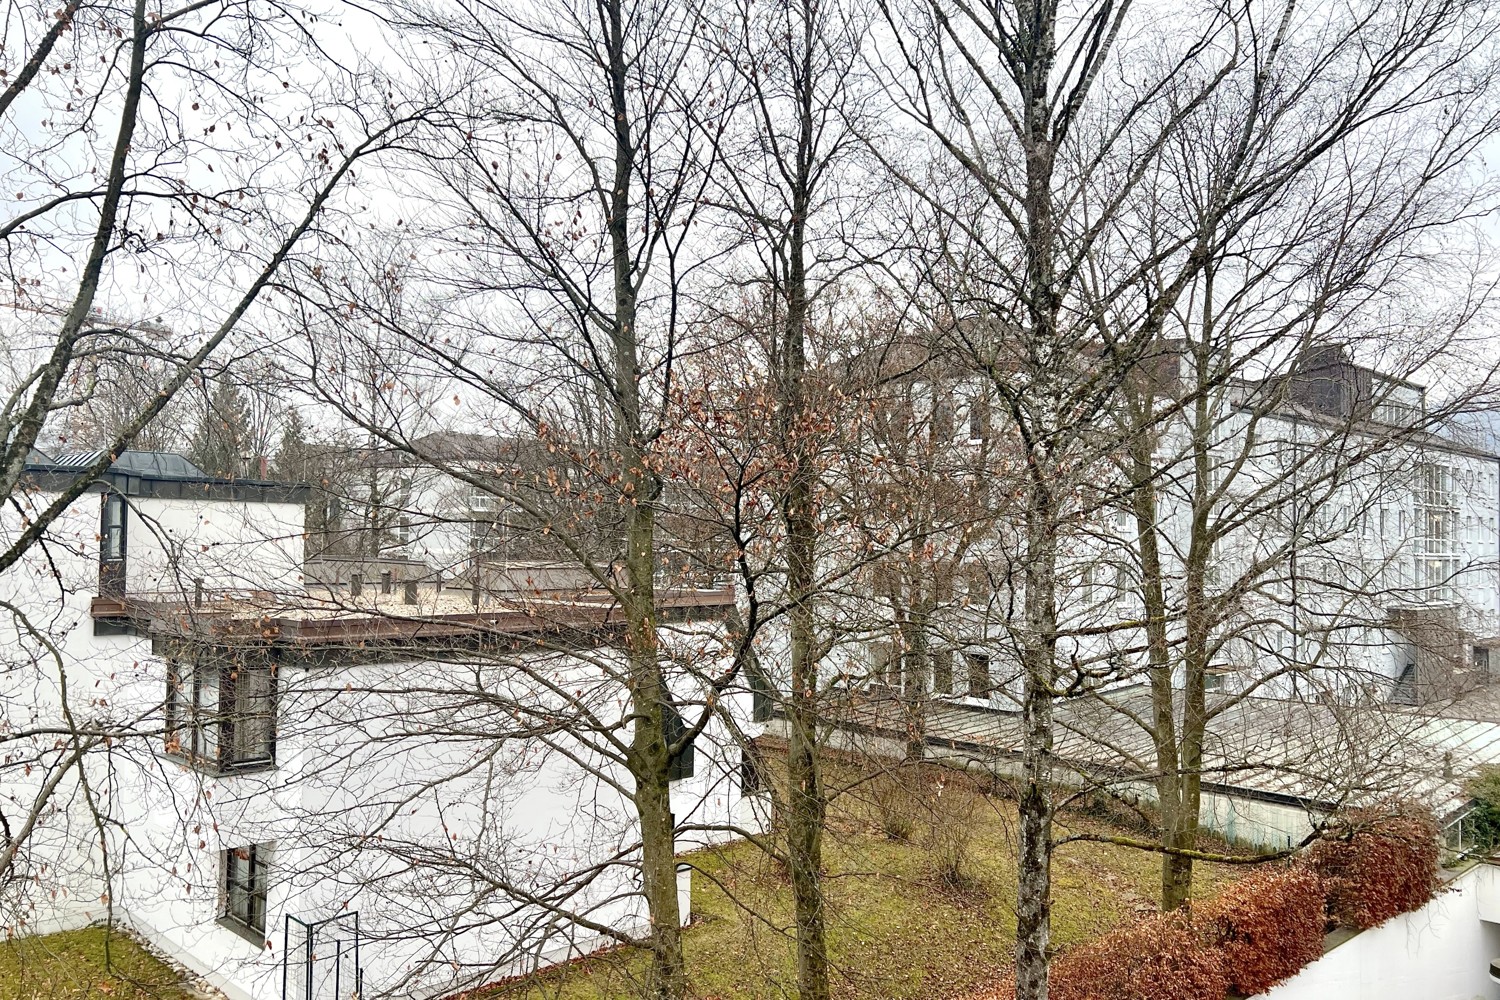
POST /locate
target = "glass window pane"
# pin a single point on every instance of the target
(252, 720)
(207, 728)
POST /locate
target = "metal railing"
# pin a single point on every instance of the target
(320, 959)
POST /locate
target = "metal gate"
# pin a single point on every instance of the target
(320, 960)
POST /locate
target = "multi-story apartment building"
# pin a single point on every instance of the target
(305, 789)
(1347, 544)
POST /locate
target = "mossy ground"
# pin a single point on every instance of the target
(897, 930)
(73, 965)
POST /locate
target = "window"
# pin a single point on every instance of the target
(112, 528)
(486, 538)
(1482, 657)
(674, 728)
(942, 672)
(222, 714)
(482, 501)
(942, 420)
(752, 772)
(245, 888)
(1214, 678)
(979, 675)
(979, 419)
(112, 540)
(1435, 519)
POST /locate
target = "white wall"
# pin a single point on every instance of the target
(49, 658)
(1440, 952)
(408, 750)
(231, 545)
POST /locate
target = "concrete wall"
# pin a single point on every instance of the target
(1440, 952)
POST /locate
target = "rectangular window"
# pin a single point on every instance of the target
(1436, 522)
(979, 675)
(674, 728)
(222, 714)
(245, 887)
(979, 419)
(1482, 657)
(942, 672)
(752, 772)
(942, 421)
(113, 536)
(113, 524)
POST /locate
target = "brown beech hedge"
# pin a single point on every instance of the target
(1369, 866)
(1267, 926)
(1376, 864)
(1161, 957)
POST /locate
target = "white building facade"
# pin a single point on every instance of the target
(299, 791)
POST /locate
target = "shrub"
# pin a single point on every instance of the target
(1484, 821)
(1159, 958)
(897, 798)
(1267, 926)
(1376, 864)
(953, 802)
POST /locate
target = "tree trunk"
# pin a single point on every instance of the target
(1176, 871)
(1034, 862)
(640, 494)
(806, 803)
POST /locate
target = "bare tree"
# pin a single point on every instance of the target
(1049, 123)
(565, 193)
(788, 188)
(169, 143)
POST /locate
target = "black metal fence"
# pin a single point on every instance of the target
(320, 960)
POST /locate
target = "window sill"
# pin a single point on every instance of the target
(219, 770)
(250, 934)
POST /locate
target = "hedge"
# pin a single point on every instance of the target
(1368, 867)
(1376, 864)
(1162, 957)
(1267, 926)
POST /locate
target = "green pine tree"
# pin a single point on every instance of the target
(221, 438)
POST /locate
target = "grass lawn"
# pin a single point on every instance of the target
(71, 965)
(897, 930)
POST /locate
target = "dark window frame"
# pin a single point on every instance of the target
(978, 677)
(243, 882)
(114, 539)
(684, 763)
(212, 736)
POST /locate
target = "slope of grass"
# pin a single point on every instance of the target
(72, 965)
(898, 929)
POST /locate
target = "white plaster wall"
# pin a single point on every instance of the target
(387, 749)
(49, 659)
(231, 545)
(1440, 952)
